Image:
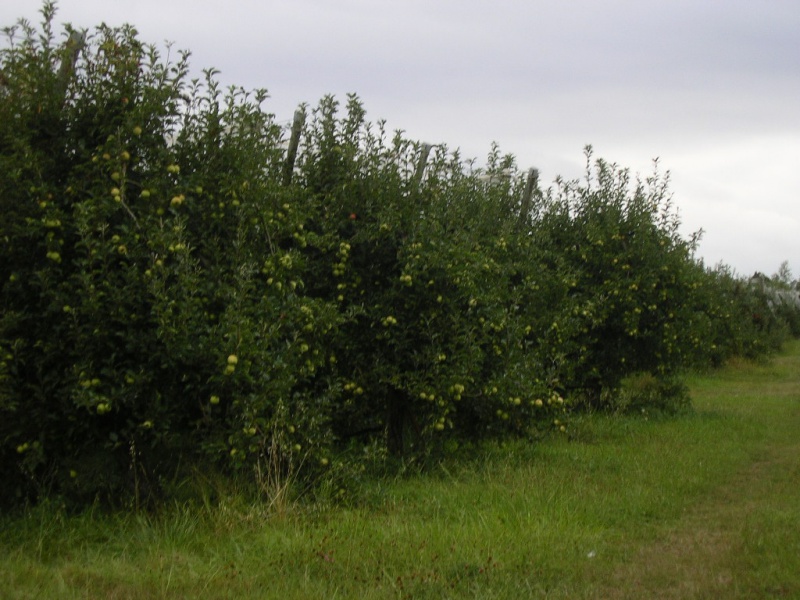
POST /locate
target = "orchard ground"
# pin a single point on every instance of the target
(695, 506)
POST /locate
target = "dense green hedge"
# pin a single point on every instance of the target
(172, 296)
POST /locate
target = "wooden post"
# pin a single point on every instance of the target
(294, 143)
(423, 158)
(527, 197)
(73, 47)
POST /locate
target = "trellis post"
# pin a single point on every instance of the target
(423, 159)
(73, 47)
(294, 143)
(527, 196)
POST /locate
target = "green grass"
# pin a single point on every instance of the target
(698, 506)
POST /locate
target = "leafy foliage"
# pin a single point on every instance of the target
(177, 292)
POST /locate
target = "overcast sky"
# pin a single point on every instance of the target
(710, 87)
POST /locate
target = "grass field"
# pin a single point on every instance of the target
(705, 505)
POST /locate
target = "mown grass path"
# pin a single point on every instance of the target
(705, 505)
(742, 539)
